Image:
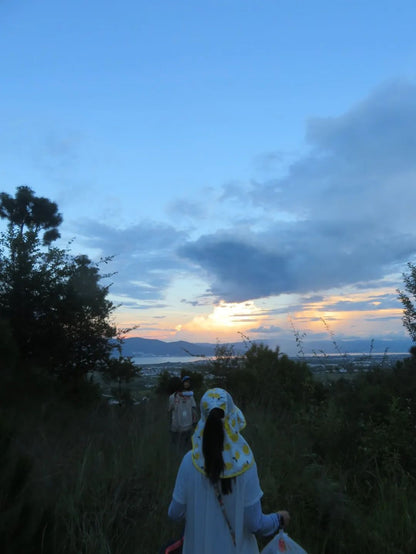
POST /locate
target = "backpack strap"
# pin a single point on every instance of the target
(221, 503)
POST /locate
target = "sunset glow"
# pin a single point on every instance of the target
(226, 320)
(223, 182)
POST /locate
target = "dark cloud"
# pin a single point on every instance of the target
(342, 215)
(348, 206)
(143, 257)
(241, 271)
(379, 133)
(359, 164)
(298, 261)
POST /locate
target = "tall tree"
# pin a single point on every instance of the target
(408, 299)
(30, 212)
(53, 303)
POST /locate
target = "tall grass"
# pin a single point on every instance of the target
(95, 479)
(102, 475)
(335, 508)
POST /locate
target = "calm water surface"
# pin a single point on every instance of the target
(145, 361)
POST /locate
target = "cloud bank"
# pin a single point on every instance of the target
(144, 258)
(350, 204)
(342, 214)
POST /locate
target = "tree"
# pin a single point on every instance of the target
(280, 381)
(75, 323)
(120, 370)
(409, 309)
(21, 279)
(53, 303)
(26, 210)
(225, 362)
(8, 349)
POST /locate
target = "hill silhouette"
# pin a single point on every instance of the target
(137, 346)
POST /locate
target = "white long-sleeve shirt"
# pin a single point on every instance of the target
(206, 530)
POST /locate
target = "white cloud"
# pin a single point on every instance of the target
(352, 199)
(342, 215)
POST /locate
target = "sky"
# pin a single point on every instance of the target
(250, 165)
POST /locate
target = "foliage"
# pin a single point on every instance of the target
(31, 212)
(86, 478)
(52, 303)
(408, 298)
(224, 363)
(168, 382)
(120, 370)
(344, 468)
(197, 378)
(8, 348)
(280, 380)
(262, 373)
(24, 516)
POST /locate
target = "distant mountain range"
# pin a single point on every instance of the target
(137, 346)
(359, 346)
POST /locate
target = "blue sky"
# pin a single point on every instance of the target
(249, 164)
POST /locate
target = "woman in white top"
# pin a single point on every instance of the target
(217, 488)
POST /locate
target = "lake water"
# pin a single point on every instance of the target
(159, 363)
(145, 361)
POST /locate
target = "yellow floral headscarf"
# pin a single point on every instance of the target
(237, 454)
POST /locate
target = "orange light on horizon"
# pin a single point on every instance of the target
(318, 317)
(226, 317)
(358, 313)
(345, 322)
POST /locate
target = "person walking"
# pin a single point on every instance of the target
(217, 489)
(182, 407)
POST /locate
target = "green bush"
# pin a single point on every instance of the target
(90, 479)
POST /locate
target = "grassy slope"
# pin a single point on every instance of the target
(87, 478)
